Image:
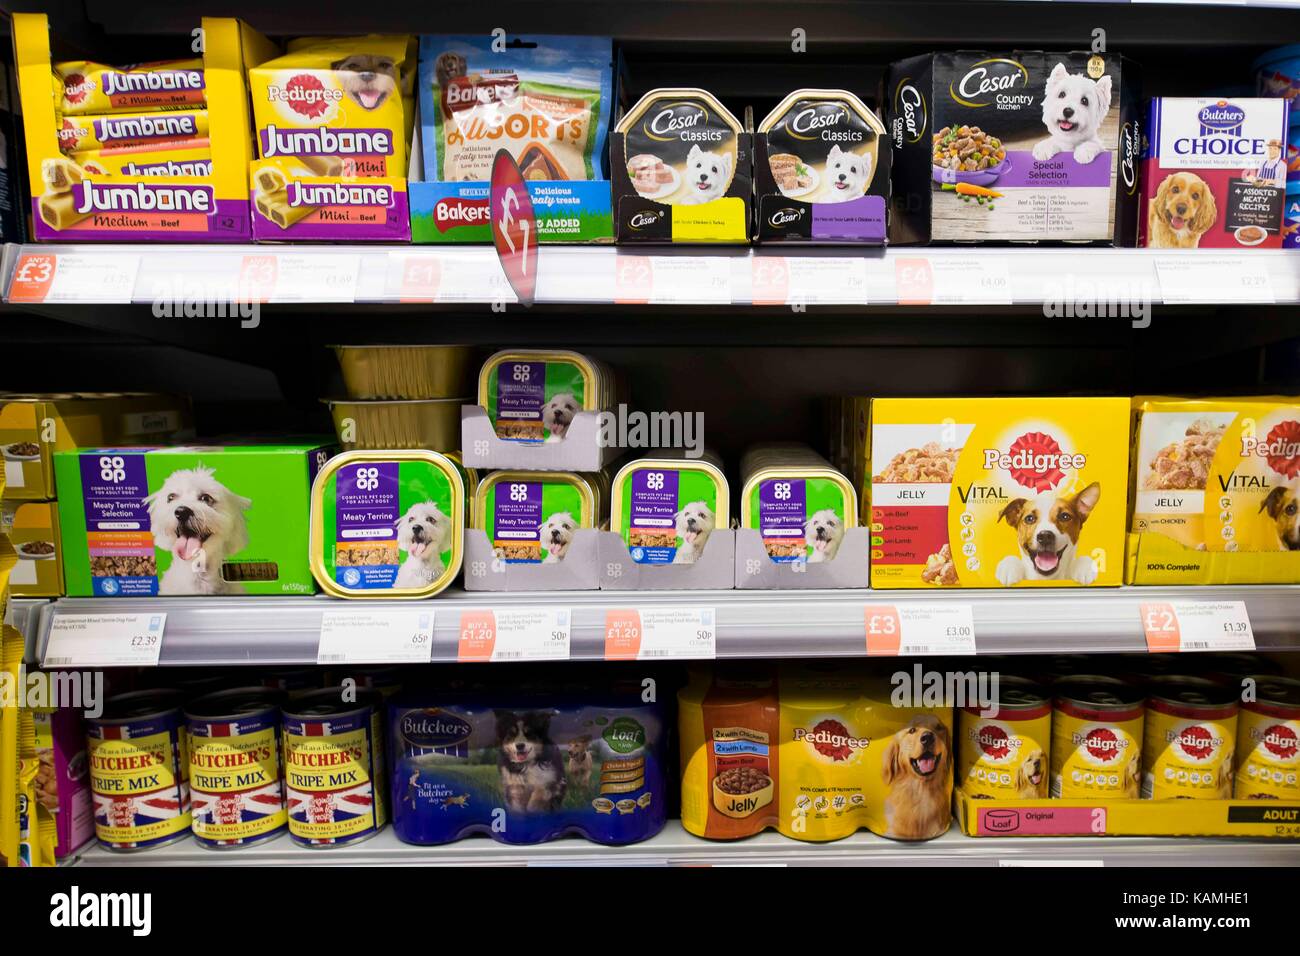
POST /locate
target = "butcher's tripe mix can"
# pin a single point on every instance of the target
(236, 767)
(334, 768)
(1191, 734)
(1268, 742)
(1096, 739)
(139, 771)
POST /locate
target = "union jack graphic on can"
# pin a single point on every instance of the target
(139, 771)
(334, 768)
(236, 767)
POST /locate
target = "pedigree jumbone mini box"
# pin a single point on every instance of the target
(149, 152)
(997, 492)
(332, 123)
(1216, 491)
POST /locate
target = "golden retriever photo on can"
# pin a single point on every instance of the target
(917, 769)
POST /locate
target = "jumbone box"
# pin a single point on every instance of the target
(120, 208)
(192, 519)
(989, 492)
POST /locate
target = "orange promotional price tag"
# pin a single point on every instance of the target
(257, 278)
(420, 278)
(622, 634)
(884, 630)
(1160, 623)
(478, 636)
(913, 281)
(33, 277)
(515, 634)
(1197, 626)
(634, 280)
(769, 280)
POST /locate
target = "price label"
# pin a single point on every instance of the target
(679, 633)
(375, 636)
(107, 277)
(105, 640)
(257, 278)
(322, 277)
(970, 280)
(672, 280)
(914, 630)
(780, 280)
(1188, 280)
(1177, 626)
(515, 634)
(419, 275)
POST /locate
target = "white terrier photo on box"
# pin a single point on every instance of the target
(201, 522)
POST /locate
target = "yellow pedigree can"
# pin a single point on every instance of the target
(530, 516)
(1190, 738)
(1268, 742)
(387, 524)
(335, 784)
(139, 771)
(797, 501)
(1097, 725)
(236, 767)
(1005, 754)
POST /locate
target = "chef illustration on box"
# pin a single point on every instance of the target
(1273, 170)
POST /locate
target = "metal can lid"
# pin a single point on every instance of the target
(139, 704)
(236, 702)
(329, 702)
(1194, 693)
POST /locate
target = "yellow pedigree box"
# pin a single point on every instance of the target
(1216, 491)
(32, 528)
(1196, 818)
(997, 492)
(332, 132)
(34, 427)
(114, 207)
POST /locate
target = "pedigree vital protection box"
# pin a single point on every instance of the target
(997, 492)
(1216, 491)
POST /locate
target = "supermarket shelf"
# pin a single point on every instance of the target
(673, 846)
(282, 631)
(42, 276)
(25, 615)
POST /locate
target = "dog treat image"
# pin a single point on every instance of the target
(680, 146)
(813, 751)
(797, 500)
(1097, 733)
(530, 517)
(60, 174)
(547, 103)
(146, 521)
(1216, 475)
(823, 146)
(984, 493)
(1267, 768)
(59, 210)
(172, 129)
(985, 142)
(1189, 739)
(83, 87)
(1004, 755)
(549, 761)
(387, 524)
(336, 99)
(269, 179)
(666, 506)
(533, 396)
(1213, 173)
(276, 207)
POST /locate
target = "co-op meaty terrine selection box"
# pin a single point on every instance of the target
(988, 492)
(1025, 146)
(681, 170)
(1213, 173)
(821, 170)
(194, 519)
